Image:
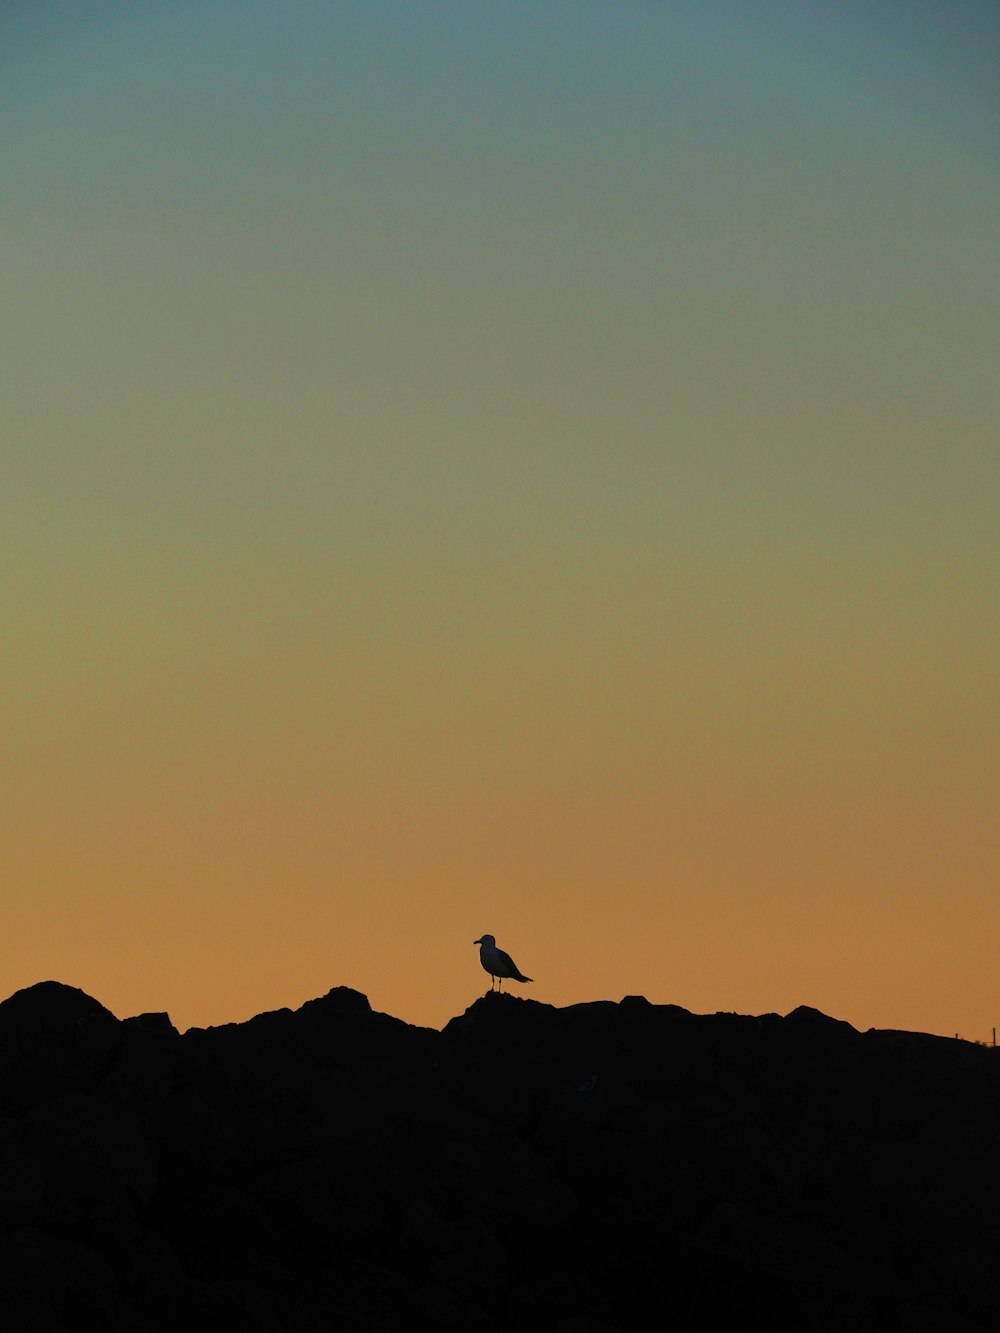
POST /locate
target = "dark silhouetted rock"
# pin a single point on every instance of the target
(52, 1038)
(528, 1167)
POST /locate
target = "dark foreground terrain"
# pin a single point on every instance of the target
(605, 1166)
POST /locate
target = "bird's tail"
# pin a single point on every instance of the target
(520, 978)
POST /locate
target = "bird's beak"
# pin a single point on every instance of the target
(479, 941)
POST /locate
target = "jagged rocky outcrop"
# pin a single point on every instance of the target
(586, 1168)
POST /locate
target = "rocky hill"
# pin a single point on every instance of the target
(596, 1167)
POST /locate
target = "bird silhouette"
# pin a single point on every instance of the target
(497, 963)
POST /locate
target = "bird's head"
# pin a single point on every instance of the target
(486, 939)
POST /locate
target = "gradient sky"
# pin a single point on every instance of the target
(516, 467)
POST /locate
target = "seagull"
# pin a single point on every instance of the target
(497, 963)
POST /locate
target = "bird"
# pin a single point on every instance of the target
(497, 963)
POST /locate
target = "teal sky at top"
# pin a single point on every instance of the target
(535, 211)
(306, 251)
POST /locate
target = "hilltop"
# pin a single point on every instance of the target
(526, 1167)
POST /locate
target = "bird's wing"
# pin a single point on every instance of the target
(505, 961)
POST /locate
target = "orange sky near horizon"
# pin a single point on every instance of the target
(525, 471)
